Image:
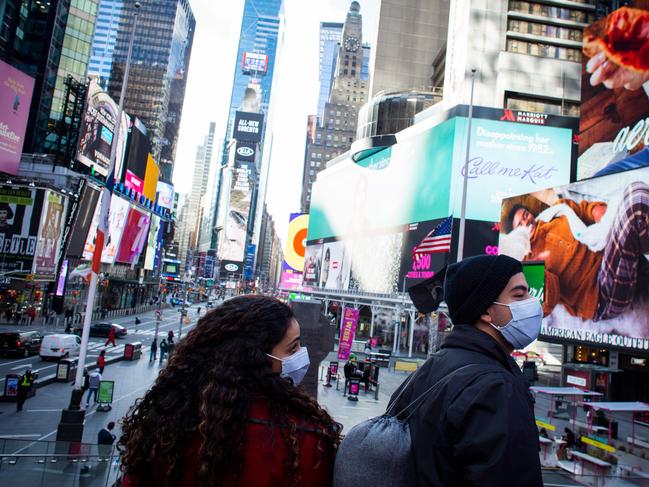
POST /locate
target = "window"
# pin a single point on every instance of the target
(527, 103)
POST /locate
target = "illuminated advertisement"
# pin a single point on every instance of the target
(615, 94)
(137, 155)
(592, 238)
(388, 203)
(116, 221)
(347, 333)
(134, 237)
(336, 265)
(15, 99)
(60, 283)
(312, 265)
(20, 216)
(166, 195)
(233, 243)
(151, 178)
(294, 251)
(291, 279)
(254, 63)
(152, 243)
(83, 222)
(49, 234)
(248, 126)
(96, 135)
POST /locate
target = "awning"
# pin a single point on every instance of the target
(564, 391)
(628, 407)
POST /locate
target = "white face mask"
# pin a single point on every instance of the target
(294, 366)
(525, 324)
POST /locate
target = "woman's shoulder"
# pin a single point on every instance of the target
(259, 415)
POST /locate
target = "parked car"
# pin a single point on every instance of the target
(21, 343)
(59, 346)
(103, 329)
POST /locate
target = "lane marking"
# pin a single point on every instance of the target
(25, 366)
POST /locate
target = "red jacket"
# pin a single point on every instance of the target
(101, 361)
(265, 455)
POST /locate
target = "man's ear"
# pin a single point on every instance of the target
(486, 316)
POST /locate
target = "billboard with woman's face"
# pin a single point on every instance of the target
(592, 238)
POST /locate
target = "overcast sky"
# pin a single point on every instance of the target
(211, 72)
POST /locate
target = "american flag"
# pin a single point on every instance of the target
(439, 240)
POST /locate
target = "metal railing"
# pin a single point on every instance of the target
(56, 464)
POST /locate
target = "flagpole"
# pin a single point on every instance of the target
(460, 246)
(99, 246)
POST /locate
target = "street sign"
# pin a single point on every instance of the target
(105, 393)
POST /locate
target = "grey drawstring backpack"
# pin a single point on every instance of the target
(378, 452)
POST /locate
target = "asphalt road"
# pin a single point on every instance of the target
(144, 334)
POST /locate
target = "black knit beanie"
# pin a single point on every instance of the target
(472, 285)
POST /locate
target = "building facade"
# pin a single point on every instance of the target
(158, 72)
(330, 35)
(349, 88)
(103, 43)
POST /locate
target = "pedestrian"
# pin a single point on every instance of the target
(31, 315)
(137, 322)
(93, 386)
(154, 350)
(230, 398)
(101, 361)
(198, 311)
(163, 349)
(105, 435)
(479, 427)
(170, 336)
(111, 337)
(25, 384)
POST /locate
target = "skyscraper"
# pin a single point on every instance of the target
(103, 44)
(330, 35)
(158, 73)
(349, 88)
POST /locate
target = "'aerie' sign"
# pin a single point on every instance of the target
(627, 138)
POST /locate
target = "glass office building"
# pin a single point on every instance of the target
(103, 44)
(330, 35)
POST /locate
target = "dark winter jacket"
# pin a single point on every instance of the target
(478, 428)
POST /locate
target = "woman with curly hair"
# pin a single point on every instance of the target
(226, 410)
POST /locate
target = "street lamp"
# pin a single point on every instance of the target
(71, 424)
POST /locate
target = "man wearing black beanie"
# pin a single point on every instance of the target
(469, 408)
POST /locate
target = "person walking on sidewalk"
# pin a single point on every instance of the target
(105, 440)
(137, 322)
(163, 349)
(25, 384)
(228, 410)
(478, 428)
(101, 361)
(111, 337)
(154, 350)
(93, 386)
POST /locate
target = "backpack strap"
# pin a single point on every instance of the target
(418, 401)
(403, 389)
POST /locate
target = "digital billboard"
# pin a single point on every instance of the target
(312, 265)
(49, 234)
(388, 203)
(137, 155)
(592, 238)
(233, 243)
(20, 216)
(16, 90)
(254, 63)
(248, 126)
(83, 222)
(151, 178)
(615, 94)
(96, 135)
(246, 151)
(134, 236)
(166, 195)
(116, 221)
(152, 243)
(336, 265)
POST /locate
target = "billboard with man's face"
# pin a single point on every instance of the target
(20, 215)
(592, 240)
(614, 123)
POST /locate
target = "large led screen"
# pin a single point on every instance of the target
(83, 222)
(152, 243)
(116, 222)
(49, 235)
(20, 215)
(614, 121)
(593, 239)
(134, 236)
(234, 239)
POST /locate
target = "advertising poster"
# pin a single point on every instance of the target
(254, 63)
(165, 195)
(20, 216)
(236, 227)
(336, 265)
(83, 222)
(312, 265)
(49, 234)
(347, 333)
(592, 238)
(246, 151)
(96, 135)
(116, 221)
(298, 226)
(418, 268)
(248, 264)
(134, 237)
(16, 90)
(89, 246)
(152, 243)
(248, 126)
(291, 279)
(615, 94)
(151, 178)
(137, 155)
(60, 283)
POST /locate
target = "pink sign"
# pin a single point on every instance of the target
(134, 237)
(131, 181)
(15, 99)
(291, 279)
(347, 333)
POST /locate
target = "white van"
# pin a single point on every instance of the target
(60, 346)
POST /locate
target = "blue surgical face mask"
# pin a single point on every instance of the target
(294, 366)
(525, 324)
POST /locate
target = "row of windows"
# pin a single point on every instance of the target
(544, 50)
(552, 12)
(545, 30)
(531, 104)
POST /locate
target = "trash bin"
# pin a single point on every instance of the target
(11, 387)
(66, 370)
(132, 351)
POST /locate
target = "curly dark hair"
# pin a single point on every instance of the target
(205, 392)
